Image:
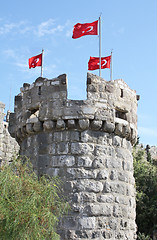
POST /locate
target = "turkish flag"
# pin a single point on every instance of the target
(35, 61)
(85, 29)
(93, 63)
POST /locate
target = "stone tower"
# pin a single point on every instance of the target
(8, 145)
(88, 143)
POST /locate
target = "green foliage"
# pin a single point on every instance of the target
(29, 208)
(146, 199)
(143, 237)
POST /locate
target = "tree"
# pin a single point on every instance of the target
(146, 187)
(29, 208)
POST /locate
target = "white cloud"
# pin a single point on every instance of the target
(11, 27)
(48, 28)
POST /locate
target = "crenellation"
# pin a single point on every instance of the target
(88, 144)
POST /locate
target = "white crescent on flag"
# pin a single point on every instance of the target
(104, 62)
(90, 29)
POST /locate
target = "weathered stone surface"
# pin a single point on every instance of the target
(48, 125)
(71, 123)
(84, 124)
(88, 143)
(81, 148)
(8, 146)
(96, 124)
(109, 127)
(60, 124)
(37, 126)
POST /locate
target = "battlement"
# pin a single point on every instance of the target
(110, 107)
(87, 143)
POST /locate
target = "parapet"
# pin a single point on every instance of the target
(110, 106)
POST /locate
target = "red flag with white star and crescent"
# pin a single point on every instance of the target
(85, 29)
(93, 63)
(35, 61)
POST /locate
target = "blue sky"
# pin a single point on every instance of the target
(128, 27)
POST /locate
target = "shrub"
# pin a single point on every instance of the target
(143, 237)
(29, 207)
(146, 198)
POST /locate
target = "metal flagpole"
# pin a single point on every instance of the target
(111, 66)
(42, 63)
(100, 46)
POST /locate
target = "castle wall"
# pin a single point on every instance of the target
(8, 145)
(88, 143)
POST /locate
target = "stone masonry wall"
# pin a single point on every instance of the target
(88, 143)
(8, 145)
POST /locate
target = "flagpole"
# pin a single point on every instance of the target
(42, 63)
(111, 67)
(100, 46)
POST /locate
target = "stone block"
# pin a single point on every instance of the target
(100, 209)
(52, 148)
(48, 125)
(122, 200)
(114, 188)
(87, 197)
(106, 198)
(37, 126)
(87, 222)
(60, 161)
(57, 136)
(71, 123)
(99, 162)
(62, 148)
(108, 127)
(96, 124)
(88, 185)
(81, 173)
(84, 162)
(60, 124)
(84, 124)
(119, 129)
(88, 110)
(81, 148)
(74, 136)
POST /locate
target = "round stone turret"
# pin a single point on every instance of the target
(88, 143)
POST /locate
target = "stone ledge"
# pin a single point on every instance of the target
(122, 129)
